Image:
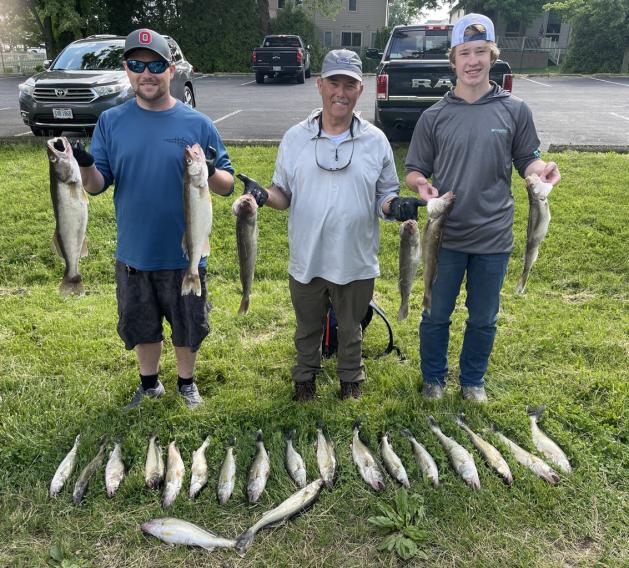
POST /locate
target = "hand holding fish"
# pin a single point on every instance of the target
(252, 187)
(426, 190)
(81, 155)
(404, 208)
(550, 174)
(209, 160)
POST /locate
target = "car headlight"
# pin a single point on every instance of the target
(110, 89)
(27, 87)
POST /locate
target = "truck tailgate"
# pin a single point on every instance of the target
(276, 56)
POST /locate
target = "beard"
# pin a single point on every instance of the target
(158, 94)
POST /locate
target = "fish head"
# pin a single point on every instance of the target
(537, 188)
(150, 526)
(245, 206)
(195, 160)
(409, 228)
(440, 205)
(62, 160)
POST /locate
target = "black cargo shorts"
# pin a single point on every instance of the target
(145, 298)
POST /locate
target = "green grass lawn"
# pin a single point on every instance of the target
(63, 370)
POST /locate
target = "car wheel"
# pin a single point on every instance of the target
(188, 97)
(37, 131)
(301, 77)
(259, 78)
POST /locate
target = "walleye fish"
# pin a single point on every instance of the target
(246, 210)
(176, 531)
(294, 462)
(69, 202)
(259, 472)
(227, 475)
(539, 220)
(393, 463)
(80, 487)
(544, 444)
(197, 207)
(175, 471)
(490, 454)
(365, 461)
(114, 470)
(198, 477)
(65, 468)
(326, 460)
(154, 468)
(410, 255)
(461, 459)
(424, 460)
(438, 210)
(538, 466)
(293, 505)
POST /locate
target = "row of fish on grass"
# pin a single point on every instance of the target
(413, 248)
(171, 475)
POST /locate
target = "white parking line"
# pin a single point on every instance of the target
(24, 133)
(619, 116)
(6, 108)
(536, 82)
(612, 82)
(247, 83)
(226, 116)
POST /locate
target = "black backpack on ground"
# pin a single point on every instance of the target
(330, 342)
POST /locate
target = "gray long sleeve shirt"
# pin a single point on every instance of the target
(468, 148)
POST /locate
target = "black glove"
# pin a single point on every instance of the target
(81, 155)
(252, 187)
(405, 208)
(211, 168)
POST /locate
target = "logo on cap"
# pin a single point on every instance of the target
(145, 37)
(343, 60)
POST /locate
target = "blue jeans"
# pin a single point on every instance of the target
(485, 275)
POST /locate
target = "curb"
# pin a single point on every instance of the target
(600, 148)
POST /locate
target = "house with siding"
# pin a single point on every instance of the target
(354, 27)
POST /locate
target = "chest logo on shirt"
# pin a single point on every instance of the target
(183, 142)
(500, 130)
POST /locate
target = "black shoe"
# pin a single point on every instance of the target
(350, 390)
(305, 391)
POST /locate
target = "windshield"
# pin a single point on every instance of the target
(420, 44)
(281, 42)
(94, 56)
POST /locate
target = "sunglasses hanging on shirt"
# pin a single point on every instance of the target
(336, 168)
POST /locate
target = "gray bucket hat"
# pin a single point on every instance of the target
(342, 62)
(147, 39)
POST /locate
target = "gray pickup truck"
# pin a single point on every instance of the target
(414, 73)
(281, 55)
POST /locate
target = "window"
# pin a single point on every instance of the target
(513, 29)
(351, 39)
(352, 5)
(553, 27)
(327, 39)
(419, 44)
(280, 4)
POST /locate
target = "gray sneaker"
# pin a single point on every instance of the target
(191, 395)
(140, 393)
(432, 391)
(474, 394)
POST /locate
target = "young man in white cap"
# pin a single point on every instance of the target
(336, 174)
(467, 142)
(140, 147)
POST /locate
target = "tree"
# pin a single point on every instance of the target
(294, 20)
(404, 12)
(599, 41)
(510, 11)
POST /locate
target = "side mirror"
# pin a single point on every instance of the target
(373, 53)
(308, 47)
(47, 63)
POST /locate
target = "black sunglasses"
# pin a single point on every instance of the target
(155, 67)
(336, 153)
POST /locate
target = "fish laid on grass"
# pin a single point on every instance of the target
(392, 462)
(366, 463)
(175, 471)
(198, 476)
(326, 460)
(294, 504)
(175, 531)
(114, 470)
(246, 210)
(545, 445)
(539, 220)
(410, 255)
(69, 202)
(197, 207)
(227, 475)
(259, 472)
(154, 467)
(65, 468)
(462, 461)
(490, 454)
(538, 466)
(424, 460)
(294, 462)
(80, 487)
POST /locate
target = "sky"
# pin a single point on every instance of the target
(438, 14)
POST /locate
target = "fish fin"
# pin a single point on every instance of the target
(521, 285)
(402, 313)
(56, 247)
(208, 548)
(432, 421)
(184, 246)
(191, 284)
(84, 248)
(406, 433)
(535, 411)
(244, 307)
(71, 286)
(357, 423)
(231, 441)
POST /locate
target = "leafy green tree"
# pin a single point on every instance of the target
(404, 12)
(599, 37)
(509, 10)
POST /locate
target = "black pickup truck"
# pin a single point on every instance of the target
(414, 73)
(281, 55)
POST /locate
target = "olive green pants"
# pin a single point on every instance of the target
(350, 302)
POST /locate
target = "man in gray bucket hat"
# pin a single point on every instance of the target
(335, 172)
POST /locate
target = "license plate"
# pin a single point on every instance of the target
(277, 67)
(62, 113)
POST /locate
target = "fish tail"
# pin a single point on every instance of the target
(406, 433)
(427, 302)
(290, 434)
(521, 285)
(259, 437)
(231, 441)
(534, 411)
(244, 306)
(357, 423)
(432, 422)
(191, 284)
(243, 542)
(320, 424)
(72, 285)
(402, 313)
(460, 419)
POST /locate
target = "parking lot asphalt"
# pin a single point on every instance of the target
(584, 110)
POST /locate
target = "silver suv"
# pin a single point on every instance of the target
(85, 79)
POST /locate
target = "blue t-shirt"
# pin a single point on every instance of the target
(142, 151)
